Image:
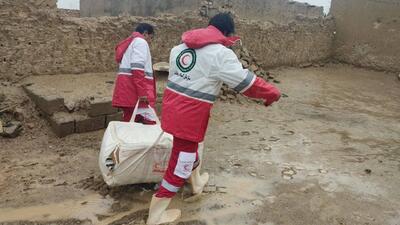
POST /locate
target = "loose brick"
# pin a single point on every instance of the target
(100, 107)
(86, 124)
(114, 117)
(62, 124)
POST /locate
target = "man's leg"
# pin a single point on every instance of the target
(181, 163)
(127, 114)
(184, 158)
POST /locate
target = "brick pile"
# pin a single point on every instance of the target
(89, 110)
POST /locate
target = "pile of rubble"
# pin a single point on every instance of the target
(208, 10)
(74, 104)
(249, 62)
(10, 118)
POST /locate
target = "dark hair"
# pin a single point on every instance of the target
(224, 23)
(145, 27)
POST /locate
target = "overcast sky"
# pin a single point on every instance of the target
(74, 4)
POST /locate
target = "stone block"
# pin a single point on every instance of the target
(114, 117)
(100, 107)
(48, 104)
(62, 124)
(87, 124)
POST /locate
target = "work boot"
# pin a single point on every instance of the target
(158, 213)
(198, 181)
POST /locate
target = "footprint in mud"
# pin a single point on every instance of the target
(245, 133)
(274, 139)
(138, 217)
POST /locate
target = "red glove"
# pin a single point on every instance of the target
(274, 97)
(263, 90)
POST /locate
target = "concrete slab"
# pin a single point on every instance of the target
(113, 117)
(87, 124)
(79, 103)
(101, 106)
(62, 123)
(47, 102)
(77, 91)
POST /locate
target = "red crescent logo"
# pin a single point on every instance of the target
(184, 60)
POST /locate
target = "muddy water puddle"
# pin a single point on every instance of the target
(85, 209)
(239, 196)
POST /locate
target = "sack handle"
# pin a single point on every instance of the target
(135, 112)
(137, 108)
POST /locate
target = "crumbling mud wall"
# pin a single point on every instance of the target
(95, 8)
(37, 40)
(276, 10)
(280, 11)
(368, 33)
(305, 40)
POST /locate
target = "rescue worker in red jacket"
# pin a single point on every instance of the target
(198, 68)
(135, 81)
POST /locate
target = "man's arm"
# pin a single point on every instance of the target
(144, 82)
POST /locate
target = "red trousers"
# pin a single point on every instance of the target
(127, 114)
(184, 158)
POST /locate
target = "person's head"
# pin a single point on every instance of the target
(224, 23)
(147, 30)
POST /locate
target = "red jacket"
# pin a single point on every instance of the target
(198, 68)
(135, 76)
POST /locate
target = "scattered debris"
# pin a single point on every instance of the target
(11, 129)
(368, 171)
(274, 139)
(253, 174)
(290, 132)
(237, 165)
(288, 173)
(257, 202)
(30, 125)
(287, 177)
(261, 147)
(276, 81)
(245, 133)
(306, 65)
(322, 171)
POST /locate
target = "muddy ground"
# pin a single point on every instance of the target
(329, 153)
